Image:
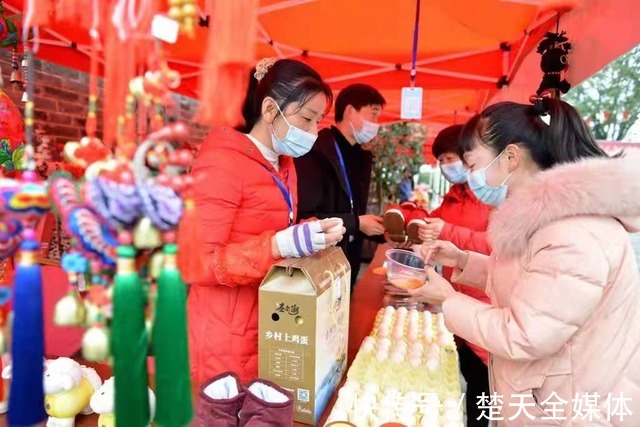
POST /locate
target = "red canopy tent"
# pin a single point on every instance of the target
(465, 46)
(470, 53)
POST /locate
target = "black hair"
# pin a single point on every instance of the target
(287, 81)
(565, 139)
(358, 96)
(446, 141)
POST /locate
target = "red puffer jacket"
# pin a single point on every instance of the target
(240, 207)
(466, 220)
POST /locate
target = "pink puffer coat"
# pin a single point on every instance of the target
(564, 319)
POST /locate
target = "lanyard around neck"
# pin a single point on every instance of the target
(286, 193)
(344, 174)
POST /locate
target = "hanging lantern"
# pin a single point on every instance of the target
(606, 115)
(625, 116)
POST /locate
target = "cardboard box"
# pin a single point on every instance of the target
(304, 329)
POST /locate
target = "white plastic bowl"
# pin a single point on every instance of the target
(405, 269)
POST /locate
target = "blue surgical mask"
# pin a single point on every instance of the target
(492, 196)
(454, 172)
(367, 133)
(296, 142)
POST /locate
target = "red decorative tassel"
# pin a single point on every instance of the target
(74, 12)
(229, 56)
(193, 268)
(42, 12)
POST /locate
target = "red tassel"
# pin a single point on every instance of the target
(42, 12)
(229, 56)
(193, 268)
(74, 12)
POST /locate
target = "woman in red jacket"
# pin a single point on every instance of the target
(461, 219)
(246, 204)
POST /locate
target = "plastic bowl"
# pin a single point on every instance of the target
(405, 269)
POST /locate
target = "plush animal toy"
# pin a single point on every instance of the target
(68, 388)
(103, 403)
(554, 49)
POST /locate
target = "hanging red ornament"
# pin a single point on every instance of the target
(625, 115)
(606, 115)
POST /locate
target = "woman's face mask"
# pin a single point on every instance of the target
(296, 142)
(492, 196)
(454, 172)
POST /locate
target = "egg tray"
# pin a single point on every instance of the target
(445, 380)
(369, 376)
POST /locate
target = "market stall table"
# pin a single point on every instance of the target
(365, 303)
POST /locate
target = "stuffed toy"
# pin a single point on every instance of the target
(554, 49)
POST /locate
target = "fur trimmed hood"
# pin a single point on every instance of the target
(594, 187)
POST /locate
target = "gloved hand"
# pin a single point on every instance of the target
(306, 239)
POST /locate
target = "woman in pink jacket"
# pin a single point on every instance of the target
(563, 325)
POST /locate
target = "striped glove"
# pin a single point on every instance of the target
(301, 240)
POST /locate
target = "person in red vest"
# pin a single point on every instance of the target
(246, 203)
(461, 219)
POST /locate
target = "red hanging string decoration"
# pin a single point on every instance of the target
(229, 56)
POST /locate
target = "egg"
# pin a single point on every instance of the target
(352, 385)
(401, 343)
(397, 358)
(434, 351)
(402, 311)
(415, 361)
(371, 388)
(384, 342)
(389, 310)
(446, 339)
(367, 347)
(338, 415)
(400, 349)
(398, 334)
(383, 332)
(344, 404)
(433, 364)
(346, 394)
(412, 336)
(417, 347)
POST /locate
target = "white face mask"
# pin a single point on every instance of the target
(492, 196)
(454, 172)
(296, 142)
(367, 133)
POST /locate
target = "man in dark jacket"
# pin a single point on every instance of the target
(334, 177)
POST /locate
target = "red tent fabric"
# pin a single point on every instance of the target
(465, 46)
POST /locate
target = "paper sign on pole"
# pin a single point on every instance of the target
(411, 103)
(165, 28)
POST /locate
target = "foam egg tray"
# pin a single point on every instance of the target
(405, 372)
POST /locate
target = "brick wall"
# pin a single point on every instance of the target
(61, 101)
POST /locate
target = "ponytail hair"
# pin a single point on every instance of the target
(287, 81)
(551, 130)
